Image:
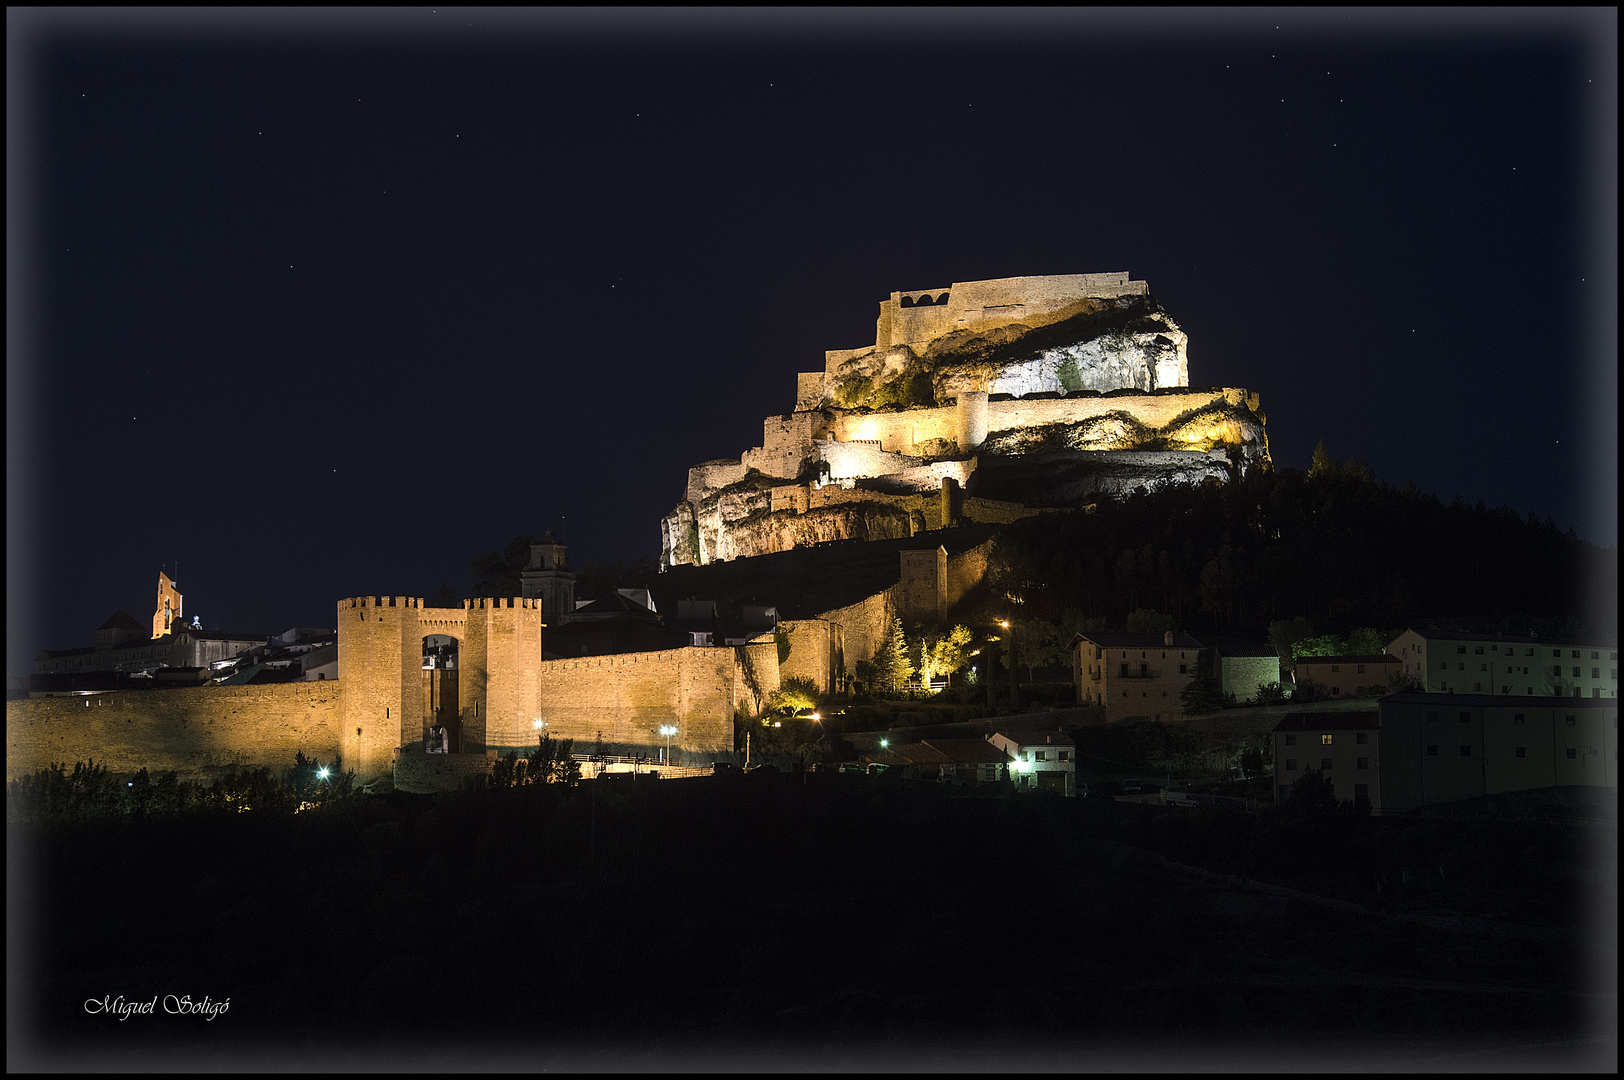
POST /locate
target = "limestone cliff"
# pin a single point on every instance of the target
(981, 402)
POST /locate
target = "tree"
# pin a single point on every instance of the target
(1367, 641)
(1323, 645)
(498, 574)
(1311, 796)
(1271, 693)
(944, 655)
(1284, 633)
(1147, 621)
(781, 639)
(551, 762)
(1323, 464)
(794, 695)
(892, 670)
(1203, 693)
(1040, 643)
(445, 598)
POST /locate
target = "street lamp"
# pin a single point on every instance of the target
(667, 730)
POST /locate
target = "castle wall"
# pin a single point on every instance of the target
(851, 460)
(865, 624)
(965, 571)
(197, 732)
(629, 696)
(817, 651)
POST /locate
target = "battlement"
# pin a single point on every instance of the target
(916, 316)
(477, 603)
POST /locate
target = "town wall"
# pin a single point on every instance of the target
(197, 732)
(865, 623)
(628, 696)
(817, 651)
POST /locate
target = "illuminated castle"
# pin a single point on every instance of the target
(983, 401)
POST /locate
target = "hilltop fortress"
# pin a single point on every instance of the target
(984, 401)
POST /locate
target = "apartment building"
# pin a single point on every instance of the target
(1439, 748)
(1345, 746)
(1449, 662)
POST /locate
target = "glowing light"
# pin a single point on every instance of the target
(538, 724)
(777, 723)
(322, 772)
(1003, 623)
(816, 716)
(884, 743)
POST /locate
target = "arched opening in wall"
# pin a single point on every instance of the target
(440, 701)
(907, 301)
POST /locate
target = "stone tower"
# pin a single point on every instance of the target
(168, 612)
(548, 578)
(380, 668)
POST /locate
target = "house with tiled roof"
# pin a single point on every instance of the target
(1134, 676)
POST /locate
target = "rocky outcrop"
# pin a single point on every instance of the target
(1004, 396)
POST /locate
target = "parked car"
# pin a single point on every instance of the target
(724, 768)
(852, 768)
(1130, 787)
(760, 770)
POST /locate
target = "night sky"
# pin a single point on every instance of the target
(321, 305)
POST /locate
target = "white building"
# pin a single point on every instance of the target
(1044, 759)
(1449, 662)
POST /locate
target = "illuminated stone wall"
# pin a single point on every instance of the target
(380, 664)
(198, 732)
(629, 696)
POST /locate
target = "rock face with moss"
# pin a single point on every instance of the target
(980, 401)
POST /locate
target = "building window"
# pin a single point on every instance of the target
(1465, 751)
(1325, 764)
(1361, 793)
(1361, 670)
(1570, 720)
(1572, 753)
(1595, 655)
(1576, 654)
(1443, 665)
(1325, 740)
(1521, 751)
(1038, 755)
(1528, 652)
(1362, 738)
(1183, 671)
(1461, 649)
(1595, 673)
(1361, 763)
(1478, 687)
(1517, 718)
(1026, 755)
(1530, 690)
(1478, 650)
(1557, 653)
(1064, 756)
(1336, 667)
(1432, 749)
(1291, 740)
(1595, 691)
(1575, 673)
(1461, 667)
(1466, 718)
(1291, 764)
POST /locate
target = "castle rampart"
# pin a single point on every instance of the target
(198, 732)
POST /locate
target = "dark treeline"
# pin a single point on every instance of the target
(1333, 546)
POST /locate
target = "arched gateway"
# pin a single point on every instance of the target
(380, 667)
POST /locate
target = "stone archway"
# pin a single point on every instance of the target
(441, 698)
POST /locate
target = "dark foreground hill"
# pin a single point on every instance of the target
(836, 925)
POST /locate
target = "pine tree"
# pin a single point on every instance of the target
(892, 668)
(1322, 462)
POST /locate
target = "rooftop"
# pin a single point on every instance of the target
(1498, 701)
(1330, 721)
(1456, 635)
(1140, 641)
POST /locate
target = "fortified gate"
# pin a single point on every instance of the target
(387, 704)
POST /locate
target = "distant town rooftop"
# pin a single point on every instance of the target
(1331, 721)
